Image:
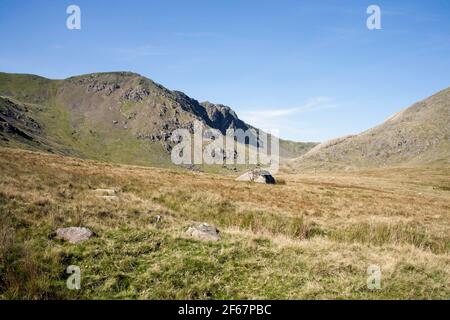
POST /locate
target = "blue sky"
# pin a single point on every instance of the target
(310, 69)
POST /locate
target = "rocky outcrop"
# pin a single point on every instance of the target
(136, 94)
(15, 122)
(223, 117)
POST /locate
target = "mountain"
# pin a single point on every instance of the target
(117, 116)
(418, 135)
(16, 126)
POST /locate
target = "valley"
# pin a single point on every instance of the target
(89, 158)
(311, 237)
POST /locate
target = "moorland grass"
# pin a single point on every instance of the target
(310, 238)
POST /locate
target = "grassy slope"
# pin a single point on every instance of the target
(27, 88)
(418, 135)
(293, 149)
(90, 141)
(313, 237)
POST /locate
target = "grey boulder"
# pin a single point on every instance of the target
(73, 234)
(258, 176)
(204, 232)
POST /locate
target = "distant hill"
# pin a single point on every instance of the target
(418, 135)
(118, 116)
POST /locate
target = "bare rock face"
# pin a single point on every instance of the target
(258, 176)
(136, 94)
(204, 232)
(73, 234)
(223, 117)
(15, 122)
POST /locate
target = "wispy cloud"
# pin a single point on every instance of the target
(286, 120)
(319, 103)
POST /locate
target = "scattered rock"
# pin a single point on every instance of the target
(110, 198)
(156, 219)
(204, 232)
(92, 84)
(258, 176)
(107, 194)
(136, 94)
(73, 234)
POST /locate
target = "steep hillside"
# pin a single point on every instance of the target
(17, 128)
(415, 136)
(119, 117)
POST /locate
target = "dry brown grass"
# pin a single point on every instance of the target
(312, 237)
